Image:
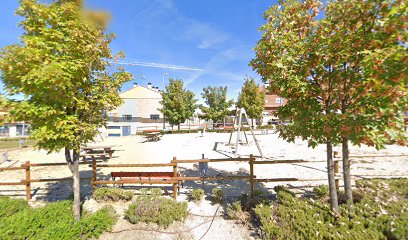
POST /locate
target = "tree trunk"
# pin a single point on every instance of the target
(330, 174)
(346, 171)
(178, 127)
(73, 164)
(252, 120)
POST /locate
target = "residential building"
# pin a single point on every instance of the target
(272, 102)
(14, 129)
(138, 112)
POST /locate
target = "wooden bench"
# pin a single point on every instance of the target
(96, 156)
(146, 176)
(153, 136)
(97, 151)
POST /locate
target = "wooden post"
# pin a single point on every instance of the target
(336, 171)
(93, 173)
(175, 175)
(251, 173)
(28, 179)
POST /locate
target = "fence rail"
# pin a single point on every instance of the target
(174, 180)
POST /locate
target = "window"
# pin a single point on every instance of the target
(154, 116)
(113, 127)
(114, 135)
(279, 100)
(127, 117)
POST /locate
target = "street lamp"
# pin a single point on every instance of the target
(164, 74)
(164, 86)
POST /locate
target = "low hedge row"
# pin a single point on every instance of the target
(54, 221)
(380, 212)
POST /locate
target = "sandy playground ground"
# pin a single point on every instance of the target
(134, 149)
(391, 161)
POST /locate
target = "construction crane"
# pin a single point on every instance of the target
(156, 65)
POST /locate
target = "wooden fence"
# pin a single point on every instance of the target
(174, 164)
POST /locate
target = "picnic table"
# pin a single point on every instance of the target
(97, 151)
(153, 136)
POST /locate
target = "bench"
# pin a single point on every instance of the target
(146, 176)
(153, 136)
(100, 150)
(96, 156)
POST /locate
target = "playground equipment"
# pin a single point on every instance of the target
(240, 112)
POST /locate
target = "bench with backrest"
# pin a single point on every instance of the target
(123, 176)
(96, 156)
(153, 136)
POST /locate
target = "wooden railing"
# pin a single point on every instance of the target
(174, 164)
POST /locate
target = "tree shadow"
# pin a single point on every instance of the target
(230, 188)
(63, 190)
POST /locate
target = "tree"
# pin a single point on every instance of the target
(252, 99)
(370, 104)
(178, 103)
(3, 102)
(291, 33)
(217, 104)
(324, 68)
(61, 68)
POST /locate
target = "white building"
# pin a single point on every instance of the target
(138, 112)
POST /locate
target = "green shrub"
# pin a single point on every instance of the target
(197, 194)
(217, 195)
(321, 191)
(156, 191)
(10, 206)
(258, 197)
(380, 213)
(156, 209)
(55, 221)
(281, 188)
(236, 212)
(112, 194)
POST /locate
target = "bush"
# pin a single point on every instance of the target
(9, 206)
(321, 191)
(112, 194)
(55, 221)
(156, 191)
(217, 195)
(380, 214)
(197, 194)
(258, 197)
(236, 212)
(281, 188)
(156, 209)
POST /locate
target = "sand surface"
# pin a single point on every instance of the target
(391, 161)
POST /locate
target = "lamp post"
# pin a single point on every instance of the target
(164, 74)
(164, 87)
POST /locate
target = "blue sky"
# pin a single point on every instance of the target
(215, 35)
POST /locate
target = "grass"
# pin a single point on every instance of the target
(380, 211)
(13, 143)
(54, 221)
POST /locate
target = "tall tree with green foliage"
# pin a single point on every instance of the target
(217, 104)
(178, 104)
(3, 102)
(321, 67)
(252, 99)
(291, 34)
(60, 65)
(369, 54)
